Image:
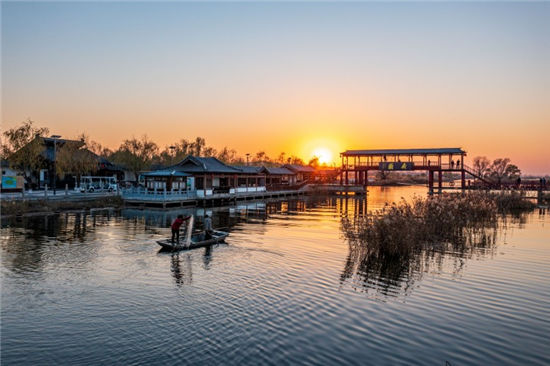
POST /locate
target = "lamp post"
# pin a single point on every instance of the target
(54, 137)
(247, 156)
(172, 154)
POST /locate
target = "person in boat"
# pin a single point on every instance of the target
(208, 231)
(176, 224)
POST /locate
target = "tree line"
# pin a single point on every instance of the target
(499, 170)
(81, 155)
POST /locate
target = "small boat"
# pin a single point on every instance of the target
(197, 241)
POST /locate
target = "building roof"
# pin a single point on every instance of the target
(48, 152)
(277, 171)
(453, 150)
(299, 168)
(165, 173)
(195, 164)
(249, 169)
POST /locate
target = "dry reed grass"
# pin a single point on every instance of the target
(405, 228)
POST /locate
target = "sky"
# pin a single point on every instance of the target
(294, 76)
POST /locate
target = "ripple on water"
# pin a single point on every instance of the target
(286, 288)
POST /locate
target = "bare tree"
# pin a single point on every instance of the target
(227, 155)
(74, 157)
(197, 146)
(481, 166)
(314, 162)
(136, 155)
(23, 147)
(94, 146)
(501, 169)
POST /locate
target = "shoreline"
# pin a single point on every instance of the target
(11, 209)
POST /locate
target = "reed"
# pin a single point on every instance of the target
(405, 228)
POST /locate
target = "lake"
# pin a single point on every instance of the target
(93, 288)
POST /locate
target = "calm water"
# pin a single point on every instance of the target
(92, 289)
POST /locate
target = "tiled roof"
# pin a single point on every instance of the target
(299, 168)
(277, 171)
(194, 164)
(249, 169)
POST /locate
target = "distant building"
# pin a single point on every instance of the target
(171, 180)
(304, 173)
(278, 178)
(43, 175)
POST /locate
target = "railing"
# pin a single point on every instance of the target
(60, 195)
(145, 194)
(419, 163)
(287, 187)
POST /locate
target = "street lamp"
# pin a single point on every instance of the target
(247, 156)
(54, 137)
(172, 154)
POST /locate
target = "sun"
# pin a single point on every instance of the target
(324, 155)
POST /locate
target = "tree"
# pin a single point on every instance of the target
(314, 162)
(94, 146)
(75, 157)
(23, 147)
(501, 169)
(228, 156)
(209, 151)
(281, 159)
(295, 160)
(197, 146)
(136, 155)
(261, 157)
(481, 166)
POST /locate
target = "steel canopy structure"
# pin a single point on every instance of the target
(357, 163)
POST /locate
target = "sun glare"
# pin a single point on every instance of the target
(324, 155)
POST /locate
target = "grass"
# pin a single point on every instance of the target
(404, 228)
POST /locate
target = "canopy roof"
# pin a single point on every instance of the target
(440, 151)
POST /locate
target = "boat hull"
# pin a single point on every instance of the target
(197, 241)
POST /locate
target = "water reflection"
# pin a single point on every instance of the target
(288, 287)
(182, 276)
(371, 270)
(378, 273)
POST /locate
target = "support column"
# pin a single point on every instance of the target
(430, 181)
(462, 179)
(440, 179)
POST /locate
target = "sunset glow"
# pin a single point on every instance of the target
(333, 77)
(324, 155)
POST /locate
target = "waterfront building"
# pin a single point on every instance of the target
(304, 173)
(212, 176)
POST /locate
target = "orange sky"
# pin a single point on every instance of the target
(354, 76)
